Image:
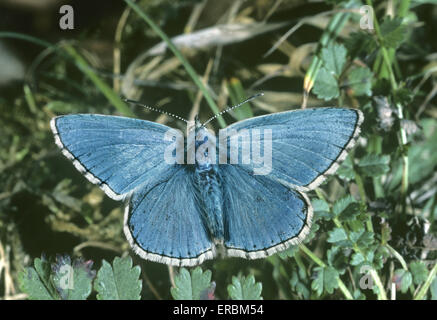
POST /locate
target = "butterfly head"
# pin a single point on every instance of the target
(195, 126)
(197, 122)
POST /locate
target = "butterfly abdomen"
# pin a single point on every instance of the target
(209, 194)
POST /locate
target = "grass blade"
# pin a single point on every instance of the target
(82, 64)
(181, 58)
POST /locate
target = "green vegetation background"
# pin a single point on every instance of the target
(375, 220)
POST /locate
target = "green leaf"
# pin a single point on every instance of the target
(403, 279)
(362, 238)
(393, 32)
(360, 42)
(346, 208)
(403, 96)
(337, 259)
(341, 204)
(380, 256)
(433, 289)
(288, 253)
(119, 281)
(245, 288)
(346, 170)
(318, 283)
(331, 279)
(326, 86)
(366, 239)
(60, 280)
(334, 58)
(189, 286)
(299, 282)
(355, 235)
(72, 280)
(357, 259)
(321, 209)
(374, 165)
(337, 235)
(43, 268)
(326, 280)
(32, 284)
(419, 271)
(360, 81)
(313, 231)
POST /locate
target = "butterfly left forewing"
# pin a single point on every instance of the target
(306, 145)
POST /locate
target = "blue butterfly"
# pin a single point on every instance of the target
(183, 214)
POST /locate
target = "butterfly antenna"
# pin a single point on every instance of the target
(155, 109)
(233, 107)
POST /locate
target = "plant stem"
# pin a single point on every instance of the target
(428, 282)
(375, 146)
(30, 99)
(362, 192)
(320, 194)
(313, 257)
(398, 256)
(310, 254)
(394, 85)
(360, 185)
(382, 294)
(181, 58)
(403, 8)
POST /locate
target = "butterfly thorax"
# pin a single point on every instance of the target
(208, 186)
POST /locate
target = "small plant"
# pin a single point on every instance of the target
(67, 279)
(74, 280)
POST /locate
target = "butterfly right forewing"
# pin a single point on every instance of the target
(118, 154)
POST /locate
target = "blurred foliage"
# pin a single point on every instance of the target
(375, 220)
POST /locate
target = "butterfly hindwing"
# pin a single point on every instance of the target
(164, 223)
(116, 153)
(261, 216)
(307, 145)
